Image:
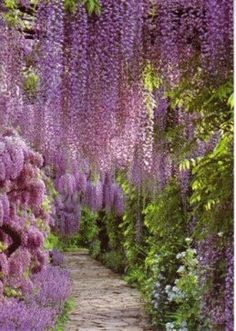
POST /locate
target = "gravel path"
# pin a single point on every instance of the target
(103, 300)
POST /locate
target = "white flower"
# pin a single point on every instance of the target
(175, 289)
(220, 234)
(167, 288)
(181, 269)
(188, 240)
(170, 326)
(171, 295)
(155, 305)
(184, 324)
(179, 255)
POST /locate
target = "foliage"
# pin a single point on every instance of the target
(30, 83)
(114, 260)
(186, 292)
(12, 16)
(213, 187)
(85, 238)
(70, 244)
(92, 6)
(88, 227)
(166, 223)
(68, 307)
(52, 241)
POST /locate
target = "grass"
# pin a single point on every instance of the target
(68, 307)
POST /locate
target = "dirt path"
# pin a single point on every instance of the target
(103, 300)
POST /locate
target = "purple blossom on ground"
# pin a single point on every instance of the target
(56, 257)
(53, 286)
(44, 296)
(17, 315)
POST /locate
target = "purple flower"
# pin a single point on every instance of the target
(56, 257)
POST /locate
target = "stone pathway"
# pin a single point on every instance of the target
(103, 300)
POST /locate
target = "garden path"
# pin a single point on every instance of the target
(103, 300)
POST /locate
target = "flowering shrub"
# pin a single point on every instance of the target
(20, 316)
(52, 287)
(32, 292)
(39, 309)
(186, 291)
(24, 222)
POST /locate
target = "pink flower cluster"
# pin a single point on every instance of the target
(23, 222)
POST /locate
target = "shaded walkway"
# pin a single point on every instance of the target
(103, 300)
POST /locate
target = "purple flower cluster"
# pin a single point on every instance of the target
(90, 102)
(18, 315)
(23, 222)
(67, 214)
(88, 66)
(52, 287)
(56, 257)
(23, 228)
(78, 190)
(39, 308)
(11, 59)
(186, 32)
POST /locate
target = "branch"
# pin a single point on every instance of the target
(14, 235)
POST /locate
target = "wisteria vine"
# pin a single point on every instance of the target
(90, 86)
